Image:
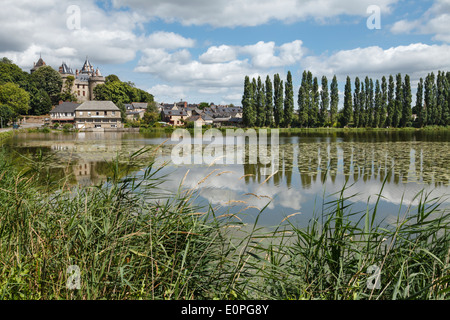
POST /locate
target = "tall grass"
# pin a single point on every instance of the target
(130, 241)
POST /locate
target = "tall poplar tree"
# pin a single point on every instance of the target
(430, 98)
(269, 102)
(324, 102)
(334, 100)
(302, 101)
(249, 114)
(377, 105)
(362, 106)
(278, 100)
(391, 102)
(384, 98)
(356, 103)
(441, 98)
(420, 109)
(314, 104)
(347, 112)
(407, 100)
(260, 104)
(288, 101)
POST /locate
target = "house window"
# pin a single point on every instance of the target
(113, 113)
(89, 114)
(113, 126)
(106, 113)
(97, 113)
(98, 125)
(84, 93)
(81, 113)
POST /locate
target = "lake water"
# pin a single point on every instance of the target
(311, 166)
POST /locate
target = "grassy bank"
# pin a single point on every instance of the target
(130, 242)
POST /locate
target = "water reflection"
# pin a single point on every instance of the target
(310, 165)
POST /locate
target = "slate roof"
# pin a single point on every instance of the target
(98, 106)
(65, 107)
(140, 105)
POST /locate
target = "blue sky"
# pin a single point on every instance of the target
(200, 50)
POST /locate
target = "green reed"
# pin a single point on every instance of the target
(131, 240)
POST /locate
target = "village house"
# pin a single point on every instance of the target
(136, 110)
(64, 113)
(98, 114)
(174, 117)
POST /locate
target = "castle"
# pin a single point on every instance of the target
(85, 80)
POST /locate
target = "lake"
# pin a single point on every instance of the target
(313, 168)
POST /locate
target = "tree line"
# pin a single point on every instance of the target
(368, 103)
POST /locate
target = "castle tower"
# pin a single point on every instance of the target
(94, 81)
(38, 64)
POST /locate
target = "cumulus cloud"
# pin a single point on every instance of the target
(41, 27)
(232, 13)
(169, 40)
(434, 21)
(220, 70)
(416, 59)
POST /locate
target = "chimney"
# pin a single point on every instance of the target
(60, 102)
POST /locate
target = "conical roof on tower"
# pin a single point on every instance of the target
(87, 67)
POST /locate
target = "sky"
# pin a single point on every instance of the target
(201, 51)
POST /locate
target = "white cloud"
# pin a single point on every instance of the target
(169, 40)
(220, 71)
(232, 13)
(219, 54)
(434, 21)
(416, 59)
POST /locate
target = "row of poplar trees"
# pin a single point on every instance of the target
(367, 103)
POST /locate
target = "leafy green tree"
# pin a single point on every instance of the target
(16, 98)
(50, 80)
(249, 116)
(446, 100)
(203, 105)
(377, 104)
(407, 100)
(371, 105)
(111, 78)
(314, 104)
(347, 111)
(430, 98)
(362, 106)
(384, 98)
(67, 94)
(124, 92)
(123, 110)
(40, 102)
(334, 100)
(6, 115)
(419, 108)
(356, 103)
(260, 104)
(441, 99)
(10, 72)
(324, 102)
(303, 101)
(398, 105)
(278, 100)
(391, 102)
(269, 102)
(288, 101)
